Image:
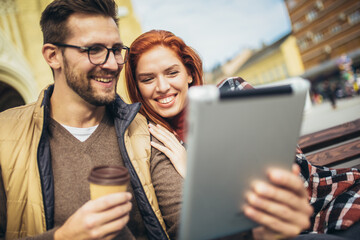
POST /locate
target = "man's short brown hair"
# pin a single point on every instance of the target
(54, 17)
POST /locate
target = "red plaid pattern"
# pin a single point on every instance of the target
(333, 193)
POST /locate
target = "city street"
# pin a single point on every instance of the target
(323, 116)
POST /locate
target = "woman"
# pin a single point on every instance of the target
(164, 104)
(159, 72)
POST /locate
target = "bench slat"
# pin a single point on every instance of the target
(330, 136)
(336, 155)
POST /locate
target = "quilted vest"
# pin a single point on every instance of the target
(23, 126)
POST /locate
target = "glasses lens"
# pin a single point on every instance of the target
(121, 55)
(97, 54)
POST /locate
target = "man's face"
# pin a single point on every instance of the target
(94, 84)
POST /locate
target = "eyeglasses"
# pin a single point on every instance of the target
(99, 54)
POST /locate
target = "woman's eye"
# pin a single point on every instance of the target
(146, 80)
(173, 72)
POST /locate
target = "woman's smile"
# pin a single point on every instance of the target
(166, 100)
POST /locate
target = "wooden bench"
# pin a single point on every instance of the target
(333, 146)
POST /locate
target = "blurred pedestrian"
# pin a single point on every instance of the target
(330, 93)
(357, 80)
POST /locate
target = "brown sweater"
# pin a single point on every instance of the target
(72, 161)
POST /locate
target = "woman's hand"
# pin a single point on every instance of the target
(280, 206)
(171, 147)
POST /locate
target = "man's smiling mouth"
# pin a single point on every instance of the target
(104, 80)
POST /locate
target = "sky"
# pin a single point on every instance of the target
(217, 29)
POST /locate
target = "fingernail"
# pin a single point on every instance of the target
(251, 198)
(248, 210)
(129, 196)
(260, 188)
(275, 174)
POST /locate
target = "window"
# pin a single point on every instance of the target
(271, 75)
(285, 70)
(354, 17)
(291, 4)
(264, 77)
(335, 29)
(317, 37)
(310, 16)
(327, 49)
(342, 16)
(319, 5)
(297, 26)
(303, 44)
(277, 73)
(310, 35)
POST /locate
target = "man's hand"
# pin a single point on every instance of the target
(101, 218)
(281, 206)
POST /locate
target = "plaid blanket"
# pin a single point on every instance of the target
(333, 193)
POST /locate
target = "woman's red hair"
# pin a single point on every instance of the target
(144, 43)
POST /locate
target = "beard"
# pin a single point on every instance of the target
(80, 83)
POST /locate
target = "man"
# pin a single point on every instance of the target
(49, 147)
(44, 159)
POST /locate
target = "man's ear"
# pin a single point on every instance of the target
(52, 55)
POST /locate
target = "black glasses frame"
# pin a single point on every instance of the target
(88, 49)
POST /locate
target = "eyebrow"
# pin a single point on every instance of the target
(118, 44)
(150, 74)
(144, 74)
(172, 66)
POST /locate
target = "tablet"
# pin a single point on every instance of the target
(233, 137)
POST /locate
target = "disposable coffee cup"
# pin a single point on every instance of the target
(105, 180)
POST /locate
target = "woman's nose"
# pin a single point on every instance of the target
(162, 85)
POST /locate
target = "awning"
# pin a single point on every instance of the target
(329, 66)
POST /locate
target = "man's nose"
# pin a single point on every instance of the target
(111, 63)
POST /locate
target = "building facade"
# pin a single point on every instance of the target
(326, 31)
(273, 63)
(23, 71)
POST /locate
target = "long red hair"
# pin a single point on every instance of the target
(144, 43)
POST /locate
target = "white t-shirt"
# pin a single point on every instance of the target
(81, 133)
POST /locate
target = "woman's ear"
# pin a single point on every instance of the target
(190, 81)
(52, 55)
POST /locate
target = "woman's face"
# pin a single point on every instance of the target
(163, 81)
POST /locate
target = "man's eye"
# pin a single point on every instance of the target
(117, 50)
(96, 49)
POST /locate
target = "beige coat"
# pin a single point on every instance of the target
(20, 132)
